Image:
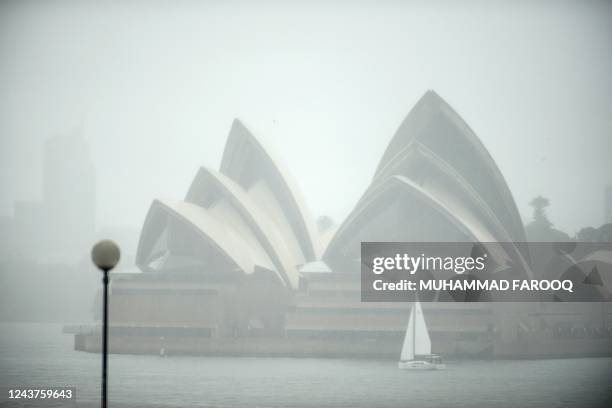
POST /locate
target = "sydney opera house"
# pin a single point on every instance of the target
(240, 267)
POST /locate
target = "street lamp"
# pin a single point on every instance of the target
(105, 255)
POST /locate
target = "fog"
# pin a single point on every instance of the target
(153, 88)
(107, 106)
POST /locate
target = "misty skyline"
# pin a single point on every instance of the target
(154, 92)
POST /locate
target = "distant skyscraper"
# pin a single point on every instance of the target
(68, 195)
(608, 204)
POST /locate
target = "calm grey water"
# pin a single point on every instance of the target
(37, 354)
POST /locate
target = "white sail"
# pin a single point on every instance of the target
(416, 350)
(416, 341)
(422, 342)
(408, 346)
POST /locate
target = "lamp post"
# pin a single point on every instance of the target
(105, 255)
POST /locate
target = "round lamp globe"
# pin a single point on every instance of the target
(105, 254)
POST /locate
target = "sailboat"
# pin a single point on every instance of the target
(416, 350)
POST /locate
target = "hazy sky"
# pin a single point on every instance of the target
(155, 85)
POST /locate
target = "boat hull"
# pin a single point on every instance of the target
(417, 365)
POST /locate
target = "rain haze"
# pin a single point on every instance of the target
(306, 196)
(154, 89)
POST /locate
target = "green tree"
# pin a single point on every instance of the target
(539, 205)
(540, 229)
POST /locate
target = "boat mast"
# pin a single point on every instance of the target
(413, 318)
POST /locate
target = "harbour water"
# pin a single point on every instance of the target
(34, 355)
